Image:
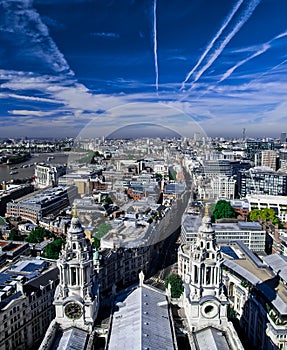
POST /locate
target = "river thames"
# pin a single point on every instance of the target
(26, 169)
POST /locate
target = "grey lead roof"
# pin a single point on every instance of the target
(142, 322)
(278, 264)
(72, 339)
(211, 339)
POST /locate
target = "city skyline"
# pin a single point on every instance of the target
(75, 67)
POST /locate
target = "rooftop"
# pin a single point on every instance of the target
(257, 273)
(142, 321)
(239, 226)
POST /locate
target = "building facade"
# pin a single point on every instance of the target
(27, 291)
(268, 159)
(222, 187)
(47, 175)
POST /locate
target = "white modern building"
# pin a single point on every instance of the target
(47, 175)
(250, 233)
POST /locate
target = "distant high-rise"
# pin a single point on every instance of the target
(283, 137)
(268, 158)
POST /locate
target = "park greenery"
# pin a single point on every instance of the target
(223, 210)
(176, 285)
(103, 229)
(14, 235)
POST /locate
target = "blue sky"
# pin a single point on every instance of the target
(68, 67)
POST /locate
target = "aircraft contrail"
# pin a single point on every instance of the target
(227, 74)
(210, 45)
(244, 17)
(155, 45)
(264, 47)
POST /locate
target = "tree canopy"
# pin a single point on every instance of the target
(223, 210)
(176, 285)
(103, 229)
(96, 243)
(14, 235)
(38, 235)
(53, 249)
(266, 215)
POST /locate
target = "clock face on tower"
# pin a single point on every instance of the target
(73, 310)
(209, 310)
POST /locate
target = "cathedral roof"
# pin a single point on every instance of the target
(142, 321)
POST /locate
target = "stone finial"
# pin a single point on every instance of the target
(206, 211)
(75, 211)
(141, 278)
(168, 291)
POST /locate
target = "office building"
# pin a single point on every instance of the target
(254, 147)
(283, 137)
(47, 175)
(49, 201)
(261, 180)
(269, 159)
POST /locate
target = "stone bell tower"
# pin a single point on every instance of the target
(204, 299)
(77, 295)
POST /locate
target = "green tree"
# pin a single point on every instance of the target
(14, 235)
(38, 235)
(223, 210)
(176, 285)
(108, 200)
(158, 176)
(264, 215)
(103, 229)
(53, 249)
(172, 175)
(96, 243)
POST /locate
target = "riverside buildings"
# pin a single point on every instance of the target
(47, 175)
(9, 192)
